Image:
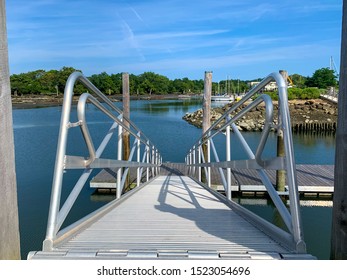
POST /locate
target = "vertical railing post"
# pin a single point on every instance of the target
(199, 162)
(194, 161)
(281, 174)
(152, 160)
(119, 157)
(190, 159)
(147, 160)
(208, 160)
(156, 161)
(59, 164)
(228, 158)
(138, 158)
(290, 166)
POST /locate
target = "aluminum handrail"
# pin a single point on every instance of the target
(196, 160)
(151, 157)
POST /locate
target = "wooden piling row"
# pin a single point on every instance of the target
(315, 126)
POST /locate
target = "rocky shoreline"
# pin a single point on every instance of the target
(315, 115)
(35, 101)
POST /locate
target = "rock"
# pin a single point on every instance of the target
(244, 126)
(302, 115)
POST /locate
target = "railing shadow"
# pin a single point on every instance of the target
(214, 224)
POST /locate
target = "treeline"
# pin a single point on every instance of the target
(53, 82)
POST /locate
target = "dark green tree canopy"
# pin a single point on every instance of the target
(53, 82)
(322, 78)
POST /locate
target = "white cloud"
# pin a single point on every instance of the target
(164, 35)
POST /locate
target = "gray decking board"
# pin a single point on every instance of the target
(311, 178)
(171, 214)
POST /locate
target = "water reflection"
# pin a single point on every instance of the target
(103, 196)
(165, 106)
(314, 148)
(316, 215)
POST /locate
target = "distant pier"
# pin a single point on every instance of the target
(312, 179)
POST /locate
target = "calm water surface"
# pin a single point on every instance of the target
(36, 132)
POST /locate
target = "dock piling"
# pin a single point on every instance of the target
(9, 225)
(339, 224)
(206, 123)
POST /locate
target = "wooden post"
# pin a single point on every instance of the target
(9, 225)
(281, 174)
(126, 114)
(339, 220)
(206, 121)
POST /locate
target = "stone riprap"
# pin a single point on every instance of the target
(306, 115)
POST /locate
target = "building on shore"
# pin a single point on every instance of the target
(272, 86)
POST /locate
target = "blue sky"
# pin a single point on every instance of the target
(241, 39)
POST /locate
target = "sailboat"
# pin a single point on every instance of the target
(223, 97)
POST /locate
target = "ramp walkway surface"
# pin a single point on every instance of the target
(170, 217)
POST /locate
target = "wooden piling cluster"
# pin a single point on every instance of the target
(315, 127)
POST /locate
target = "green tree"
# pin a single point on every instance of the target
(298, 80)
(64, 74)
(103, 82)
(322, 78)
(151, 83)
(18, 85)
(117, 82)
(27, 83)
(133, 83)
(49, 81)
(184, 86)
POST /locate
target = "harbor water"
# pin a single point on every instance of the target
(36, 132)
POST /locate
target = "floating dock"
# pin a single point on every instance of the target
(312, 179)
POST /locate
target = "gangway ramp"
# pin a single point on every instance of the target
(170, 217)
(168, 214)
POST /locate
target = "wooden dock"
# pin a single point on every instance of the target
(312, 179)
(171, 217)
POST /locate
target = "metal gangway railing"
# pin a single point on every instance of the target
(203, 156)
(144, 156)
